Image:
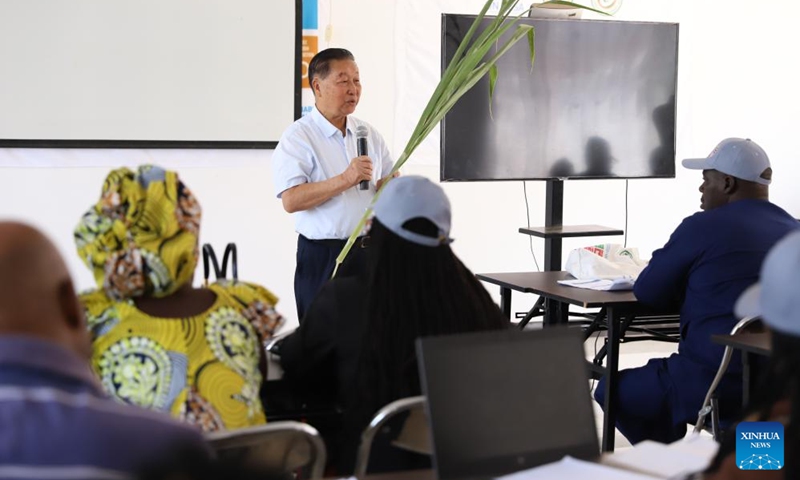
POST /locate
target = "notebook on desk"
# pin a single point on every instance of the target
(499, 402)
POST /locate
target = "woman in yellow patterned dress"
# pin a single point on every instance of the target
(158, 342)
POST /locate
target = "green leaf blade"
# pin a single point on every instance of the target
(467, 67)
(492, 82)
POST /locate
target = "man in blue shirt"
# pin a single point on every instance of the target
(710, 259)
(317, 169)
(55, 420)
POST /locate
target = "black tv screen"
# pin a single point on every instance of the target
(599, 102)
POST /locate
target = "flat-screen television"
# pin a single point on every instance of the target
(599, 102)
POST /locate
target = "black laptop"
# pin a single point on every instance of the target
(505, 401)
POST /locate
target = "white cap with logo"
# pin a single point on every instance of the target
(738, 157)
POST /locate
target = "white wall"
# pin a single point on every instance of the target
(238, 205)
(736, 79)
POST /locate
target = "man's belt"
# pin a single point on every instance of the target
(361, 241)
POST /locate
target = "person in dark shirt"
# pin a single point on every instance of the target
(777, 399)
(709, 260)
(358, 334)
(55, 420)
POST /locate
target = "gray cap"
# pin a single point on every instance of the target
(738, 157)
(776, 298)
(410, 197)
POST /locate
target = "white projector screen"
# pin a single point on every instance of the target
(148, 73)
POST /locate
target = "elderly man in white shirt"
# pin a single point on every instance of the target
(317, 171)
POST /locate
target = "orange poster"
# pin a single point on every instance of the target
(310, 48)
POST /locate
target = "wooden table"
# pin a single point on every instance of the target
(617, 305)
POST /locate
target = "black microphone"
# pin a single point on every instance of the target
(361, 144)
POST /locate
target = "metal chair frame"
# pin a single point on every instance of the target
(710, 404)
(378, 420)
(253, 436)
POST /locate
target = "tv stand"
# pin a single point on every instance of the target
(552, 233)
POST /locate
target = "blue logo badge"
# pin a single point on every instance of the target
(759, 445)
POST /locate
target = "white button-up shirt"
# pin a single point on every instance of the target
(312, 150)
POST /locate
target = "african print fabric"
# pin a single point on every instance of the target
(202, 369)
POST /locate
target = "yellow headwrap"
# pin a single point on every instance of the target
(141, 236)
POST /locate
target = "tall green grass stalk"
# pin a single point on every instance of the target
(468, 66)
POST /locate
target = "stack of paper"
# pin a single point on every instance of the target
(617, 283)
(646, 461)
(571, 468)
(675, 460)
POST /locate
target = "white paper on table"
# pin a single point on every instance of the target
(608, 284)
(696, 444)
(570, 468)
(675, 460)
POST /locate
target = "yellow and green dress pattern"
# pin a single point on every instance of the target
(140, 238)
(203, 369)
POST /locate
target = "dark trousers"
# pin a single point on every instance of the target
(644, 407)
(315, 262)
(658, 400)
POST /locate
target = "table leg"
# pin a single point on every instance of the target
(612, 377)
(505, 301)
(555, 312)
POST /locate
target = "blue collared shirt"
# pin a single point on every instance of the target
(56, 422)
(312, 150)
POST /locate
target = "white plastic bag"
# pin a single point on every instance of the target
(605, 261)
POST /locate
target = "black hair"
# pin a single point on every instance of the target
(320, 65)
(413, 291)
(779, 382)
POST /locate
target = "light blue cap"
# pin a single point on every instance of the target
(776, 298)
(410, 197)
(738, 157)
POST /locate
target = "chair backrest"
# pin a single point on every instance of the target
(276, 447)
(414, 436)
(220, 273)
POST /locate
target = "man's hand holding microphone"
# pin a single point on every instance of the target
(360, 169)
